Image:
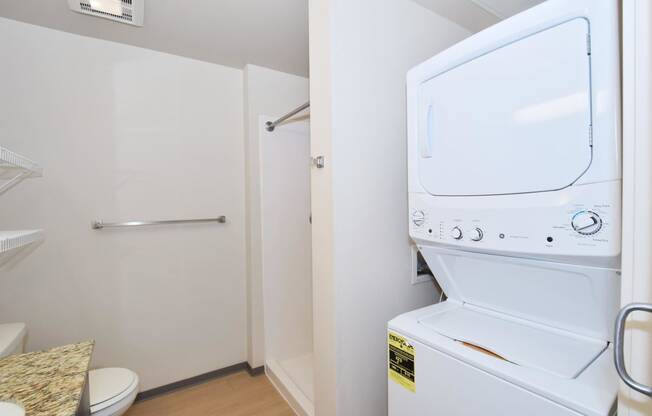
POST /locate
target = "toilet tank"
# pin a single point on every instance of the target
(12, 339)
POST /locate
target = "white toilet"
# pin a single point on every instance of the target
(112, 390)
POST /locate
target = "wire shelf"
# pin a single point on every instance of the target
(12, 240)
(13, 161)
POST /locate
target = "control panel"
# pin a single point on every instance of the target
(582, 221)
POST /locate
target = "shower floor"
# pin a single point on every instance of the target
(293, 378)
(299, 369)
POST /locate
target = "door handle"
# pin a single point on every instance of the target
(619, 350)
(426, 144)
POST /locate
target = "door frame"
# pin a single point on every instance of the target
(637, 197)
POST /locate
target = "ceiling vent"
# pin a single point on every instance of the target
(124, 11)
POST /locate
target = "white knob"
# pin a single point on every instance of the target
(477, 234)
(418, 218)
(586, 222)
(456, 233)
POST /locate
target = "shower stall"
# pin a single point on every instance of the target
(286, 258)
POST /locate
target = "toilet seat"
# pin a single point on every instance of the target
(111, 387)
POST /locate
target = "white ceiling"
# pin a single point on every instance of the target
(506, 8)
(463, 12)
(476, 15)
(270, 33)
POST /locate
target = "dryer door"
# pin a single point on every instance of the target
(514, 120)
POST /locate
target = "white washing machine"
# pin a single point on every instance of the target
(514, 181)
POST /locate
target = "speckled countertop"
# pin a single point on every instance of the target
(46, 383)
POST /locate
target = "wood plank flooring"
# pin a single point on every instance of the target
(234, 395)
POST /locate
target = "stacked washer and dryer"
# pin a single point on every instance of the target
(515, 194)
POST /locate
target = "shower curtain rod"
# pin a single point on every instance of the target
(271, 125)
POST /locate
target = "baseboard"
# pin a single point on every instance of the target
(202, 378)
(254, 372)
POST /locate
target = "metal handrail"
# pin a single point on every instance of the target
(98, 225)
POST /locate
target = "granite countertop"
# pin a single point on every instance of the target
(46, 383)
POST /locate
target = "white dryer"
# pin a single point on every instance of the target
(514, 181)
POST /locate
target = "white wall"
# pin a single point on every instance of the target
(360, 230)
(325, 343)
(269, 93)
(125, 133)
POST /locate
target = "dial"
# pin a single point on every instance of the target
(418, 218)
(456, 233)
(586, 222)
(477, 234)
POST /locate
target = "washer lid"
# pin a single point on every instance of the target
(517, 119)
(577, 299)
(523, 343)
(11, 336)
(108, 383)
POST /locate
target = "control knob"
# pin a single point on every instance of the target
(418, 218)
(586, 222)
(477, 234)
(456, 233)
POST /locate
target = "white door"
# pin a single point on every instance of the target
(510, 128)
(637, 203)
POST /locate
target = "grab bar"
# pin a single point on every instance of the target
(98, 225)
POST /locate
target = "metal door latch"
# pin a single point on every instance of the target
(319, 162)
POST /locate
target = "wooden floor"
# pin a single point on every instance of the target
(234, 395)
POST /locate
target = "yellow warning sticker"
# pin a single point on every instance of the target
(401, 361)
